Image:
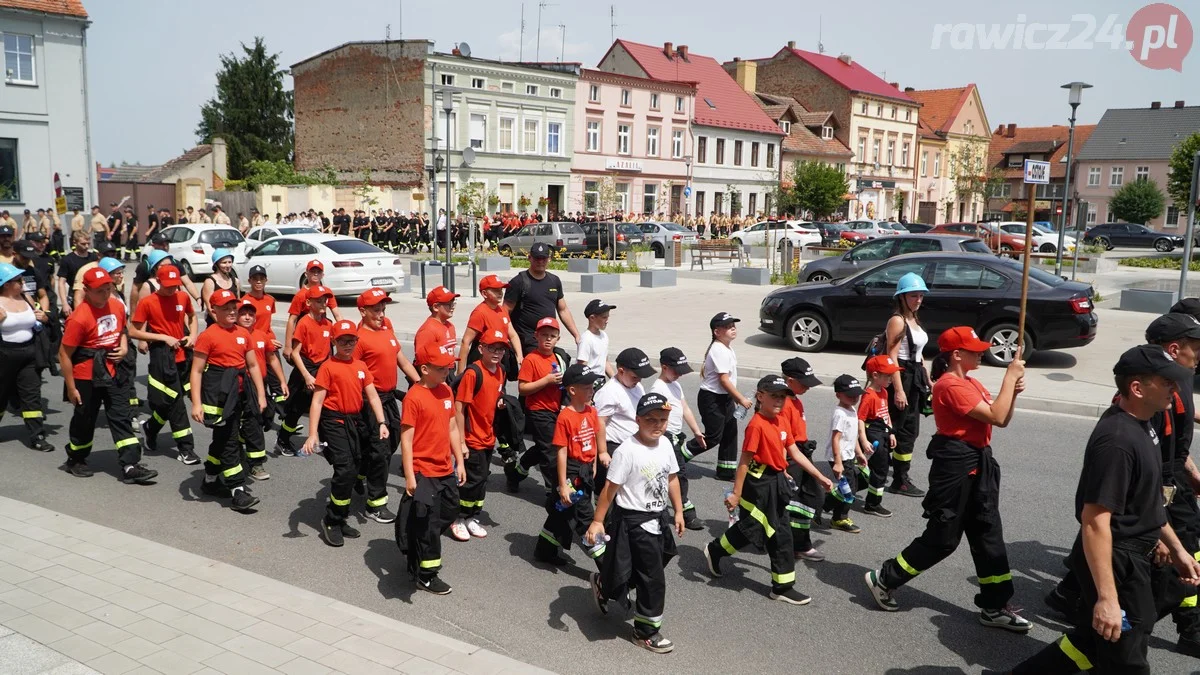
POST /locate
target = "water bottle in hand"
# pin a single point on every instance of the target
(733, 513)
(1125, 625)
(843, 492)
(575, 496)
(740, 413)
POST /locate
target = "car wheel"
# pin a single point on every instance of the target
(607, 253)
(1163, 245)
(1104, 243)
(659, 252)
(807, 331)
(1047, 248)
(185, 268)
(1003, 340)
(819, 276)
(1006, 251)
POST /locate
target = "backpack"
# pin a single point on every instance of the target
(878, 344)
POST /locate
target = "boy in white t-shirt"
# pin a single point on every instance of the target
(674, 366)
(843, 448)
(616, 402)
(593, 343)
(642, 481)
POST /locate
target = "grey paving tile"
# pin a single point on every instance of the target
(288, 619)
(375, 651)
(95, 552)
(5, 586)
(113, 663)
(24, 656)
(420, 666)
(258, 651)
(271, 634)
(309, 648)
(171, 596)
(303, 666)
(79, 648)
(40, 585)
(23, 599)
(153, 631)
(194, 586)
(122, 578)
(207, 671)
(14, 575)
(135, 647)
(236, 664)
(81, 564)
(145, 670)
(164, 613)
(240, 601)
(24, 560)
(10, 612)
(352, 663)
(75, 599)
(192, 647)
(71, 669)
(204, 629)
(143, 569)
(482, 662)
(61, 615)
(165, 661)
(414, 644)
(325, 633)
(225, 616)
(363, 627)
(37, 628)
(132, 600)
(117, 616)
(103, 633)
(68, 577)
(5, 632)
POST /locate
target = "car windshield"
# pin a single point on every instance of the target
(673, 227)
(834, 227)
(351, 247)
(574, 228)
(221, 237)
(628, 228)
(975, 246)
(896, 226)
(1034, 273)
(1043, 227)
(295, 230)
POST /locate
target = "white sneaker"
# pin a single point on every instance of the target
(476, 529)
(458, 531)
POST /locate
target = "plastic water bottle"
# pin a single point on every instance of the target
(601, 539)
(1125, 625)
(843, 491)
(575, 496)
(740, 413)
(320, 448)
(733, 513)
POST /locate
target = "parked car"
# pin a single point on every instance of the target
(1111, 235)
(834, 233)
(774, 232)
(869, 254)
(1000, 241)
(872, 228)
(973, 290)
(1043, 241)
(917, 228)
(351, 265)
(192, 246)
(564, 238)
(265, 232)
(658, 234)
(599, 237)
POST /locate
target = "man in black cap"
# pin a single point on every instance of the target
(1119, 505)
(616, 403)
(593, 342)
(6, 244)
(35, 285)
(43, 265)
(535, 294)
(151, 222)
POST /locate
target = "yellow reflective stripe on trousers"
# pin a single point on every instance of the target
(31, 414)
(785, 578)
(758, 515)
(1079, 658)
(427, 564)
(232, 472)
(468, 504)
(1189, 601)
(655, 621)
(878, 492)
(287, 429)
(902, 457)
(999, 578)
(161, 387)
(545, 534)
(256, 454)
(72, 446)
(727, 546)
(212, 460)
(181, 433)
(376, 503)
(906, 567)
(158, 418)
(213, 410)
(339, 502)
(126, 441)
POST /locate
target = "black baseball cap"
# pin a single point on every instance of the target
(597, 306)
(651, 402)
(257, 269)
(25, 248)
(159, 238)
(35, 236)
(578, 373)
(1151, 360)
(108, 248)
(6, 229)
(1187, 306)
(847, 384)
(722, 319)
(674, 357)
(539, 250)
(773, 384)
(1173, 327)
(799, 369)
(635, 360)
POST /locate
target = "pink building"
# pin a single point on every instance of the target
(635, 133)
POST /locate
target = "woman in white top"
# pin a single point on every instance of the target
(906, 339)
(19, 379)
(718, 397)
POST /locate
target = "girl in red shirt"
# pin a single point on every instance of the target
(964, 482)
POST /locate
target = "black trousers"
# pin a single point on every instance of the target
(252, 442)
(803, 507)
(876, 473)
(963, 498)
(763, 519)
(562, 526)
(164, 380)
(375, 457)
(539, 424)
(471, 494)
(424, 515)
(275, 398)
(720, 431)
(224, 461)
(646, 576)
(906, 423)
(341, 436)
(21, 384)
(682, 456)
(298, 401)
(115, 399)
(839, 509)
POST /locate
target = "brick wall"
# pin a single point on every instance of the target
(360, 107)
(790, 75)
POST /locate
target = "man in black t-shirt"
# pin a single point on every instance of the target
(535, 294)
(70, 265)
(1124, 530)
(151, 222)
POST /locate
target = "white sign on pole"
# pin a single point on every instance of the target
(1037, 172)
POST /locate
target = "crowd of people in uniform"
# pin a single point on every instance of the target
(612, 454)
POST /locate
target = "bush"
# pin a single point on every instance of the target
(785, 278)
(1159, 263)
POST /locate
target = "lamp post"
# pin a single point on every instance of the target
(1073, 98)
(447, 107)
(1191, 226)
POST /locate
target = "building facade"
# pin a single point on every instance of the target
(1130, 145)
(952, 154)
(1010, 147)
(44, 125)
(632, 135)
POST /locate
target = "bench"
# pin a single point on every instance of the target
(715, 249)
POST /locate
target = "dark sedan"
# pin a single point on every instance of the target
(1111, 235)
(964, 290)
(871, 253)
(599, 237)
(833, 233)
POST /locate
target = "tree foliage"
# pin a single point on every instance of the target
(972, 179)
(281, 172)
(1179, 179)
(1138, 202)
(251, 110)
(816, 187)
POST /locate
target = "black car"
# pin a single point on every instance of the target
(1111, 235)
(871, 253)
(980, 291)
(599, 237)
(917, 228)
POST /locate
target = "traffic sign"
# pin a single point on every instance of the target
(687, 191)
(60, 205)
(1037, 172)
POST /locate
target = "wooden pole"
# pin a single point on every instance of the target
(1025, 270)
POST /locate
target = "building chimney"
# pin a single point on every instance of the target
(1178, 104)
(1155, 105)
(909, 89)
(683, 49)
(746, 74)
(1012, 131)
(894, 85)
(791, 44)
(669, 49)
(845, 58)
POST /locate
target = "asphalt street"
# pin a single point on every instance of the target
(504, 601)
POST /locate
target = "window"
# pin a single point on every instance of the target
(507, 129)
(649, 198)
(924, 162)
(591, 195)
(917, 246)
(827, 132)
(969, 127)
(626, 98)
(1003, 190)
(654, 101)
(678, 104)
(770, 155)
(863, 109)
(701, 150)
(553, 138)
(1172, 216)
(1141, 173)
(737, 153)
(1091, 213)
(441, 129)
(530, 142)
(10, 175)
(753, 202)
(594, 93)
(652, 142)
(841, 166)
(893, 112)
(786, 126)
(754, 154)
(879, 249)
(908, 114)
(937, 165)
(700, 203)
(677, 144)
(1117, 177)
(862, 149)
(593, 136)
(478, 83)
(478, 131)
(904, 155)
(879, 110)
(891, 152)
(886, 277)
(447, 80)
(555, 92)
(622, 139)
(1094, 176)
(623, 196)
(531, 90)
(720, 151)
(875, 150)
(18, 58)
(961, 276)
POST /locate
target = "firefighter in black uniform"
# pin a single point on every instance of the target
(20, 384)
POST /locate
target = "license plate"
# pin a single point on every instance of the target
(572, 241)
(382, 281)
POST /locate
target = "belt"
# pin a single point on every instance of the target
(1139, 547)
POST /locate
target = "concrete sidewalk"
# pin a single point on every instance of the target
(76, 597)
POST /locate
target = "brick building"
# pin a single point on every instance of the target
(1010, 147)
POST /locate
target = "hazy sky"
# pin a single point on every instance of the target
(152, 62)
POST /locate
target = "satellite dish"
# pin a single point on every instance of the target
(468, 156)
(464, 49)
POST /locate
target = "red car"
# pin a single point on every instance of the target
(1003, 242)
(831, 233)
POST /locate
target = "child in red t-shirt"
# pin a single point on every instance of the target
(875, 437)
(309, 346)
(263, 343)
(805, 507)
(480, 393)
(540, 384)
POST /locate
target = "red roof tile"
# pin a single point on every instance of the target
(731, 107)
(939, 107)
(853, 76)
(65, 7)
(1027, 136)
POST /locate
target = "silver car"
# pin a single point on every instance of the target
(658, 234)
(871, 253)
(565, 238)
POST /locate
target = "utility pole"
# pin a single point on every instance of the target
(521, 42)
(1191, 227)
(612, 23)
(562, 27)
(537, 55)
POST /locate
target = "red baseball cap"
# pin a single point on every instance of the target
(96, 277)
(315, 265)
(882, 363)
(247, 304)
(439, 296)
(435, 355)
(319, 291)
(168, 276)
(548, 322)
(961, 337)
(221, 297)
(372, 297)
(491, 281)
(493, 337)
(344, 328)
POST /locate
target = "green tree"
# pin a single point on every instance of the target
(251, 110)
(1179, 178)
(281, 172)
(1138, 202)
(816, 187)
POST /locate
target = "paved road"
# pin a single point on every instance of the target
(507, 603)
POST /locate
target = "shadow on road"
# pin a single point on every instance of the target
(576, 603)
(309, 512)
(386, 562)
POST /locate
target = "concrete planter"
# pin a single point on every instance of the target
(657, 278)
(1151, 301)
(583, 265)
(751, 276)
(644, 260)
(600, 283)
(494, 263)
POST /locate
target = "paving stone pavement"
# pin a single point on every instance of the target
(79, 598)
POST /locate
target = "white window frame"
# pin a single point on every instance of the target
(754, 147)
(531, 90)
(16, 151)
(1141, 173)
(482, 138)
(1116, 176)
(622, 190)
(526, 134)
(677, 143)
(508, 87)
(937, 165)
(879, 110)
(512, 133)
(679, 108)
(1091, 213)
(1093, 177)
(924, 163)
(908, 114)
(891, 152)
(785, 126)
(594, 129)
(702, 149)
(652, 138)
(441, 127)
(862, 149)
(893, 112)
(863, 108)
(654, 102)
(626, 98)
(1170, 221)
(876, 146)
(593, 93)
(770, 155)
(479, 83)
(826, 132)
(591, 196)
(624, 138)
(555, 92)
(16, 75)
(556, 134)
(447, 79)
(904, 154)
(650, 190)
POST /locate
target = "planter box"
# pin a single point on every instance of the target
(1152, 301)
(757, 251)
(751, 276)
(644, 260)
(657, 278)
(583, 265)
(599, 283)
(494, 263)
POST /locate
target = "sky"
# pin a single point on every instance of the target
(152, 63)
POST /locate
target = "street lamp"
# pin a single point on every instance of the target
(1073, 99)
(447, 107)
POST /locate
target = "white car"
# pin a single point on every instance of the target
(774, 232)
(264, 232)
(351, 265)
(874, 228)
(1043, 241)
(191, 245)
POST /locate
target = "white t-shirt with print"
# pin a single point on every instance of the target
(845, 421)
(593, 351)
(619, 405)
(720, 361)
(673, 391)
(643, 474)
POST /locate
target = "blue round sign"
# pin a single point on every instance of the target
(687, 191)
